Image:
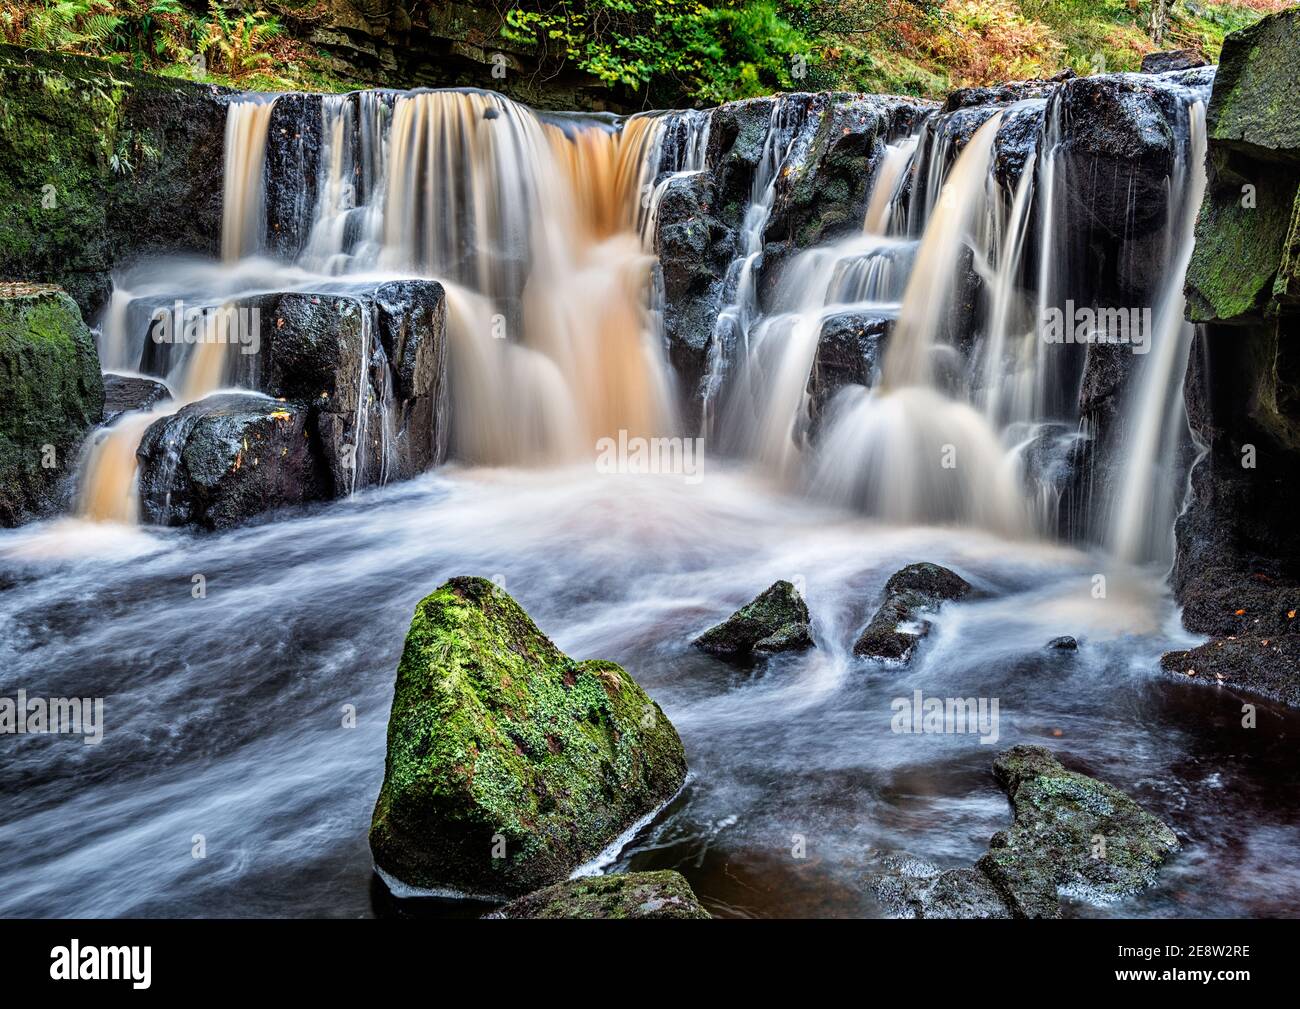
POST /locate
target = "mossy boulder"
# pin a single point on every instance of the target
(51, 394)
(664, 894)
(1073, 837)
(1246, 264)
(899, 624)
(776, 621)
(100, 164)
(509, 763)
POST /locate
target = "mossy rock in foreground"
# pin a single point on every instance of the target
(1073, 836)
(509, 763)
(664, 894)
(51, 394)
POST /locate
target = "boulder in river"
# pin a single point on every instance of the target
(509, 763)
(899, 624)
(51, 394)
(222, 460)
(776, 621)
(1073, 837)
(663, 894)
(1065, 643)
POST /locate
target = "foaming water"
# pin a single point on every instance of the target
(224, 715)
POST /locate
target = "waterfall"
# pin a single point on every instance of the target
(245, 189)
(1142, 521)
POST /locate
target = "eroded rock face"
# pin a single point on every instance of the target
(51, 394)
(1074, 837)
(899, 624)
(1237, 569)
(776, 621)
(123, 393)
(222, 460)
(663, 894)
(509, 763)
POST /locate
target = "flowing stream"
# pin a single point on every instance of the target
(231, 664)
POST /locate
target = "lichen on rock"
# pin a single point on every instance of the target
(509, 763)
(663, 894)
(776, 621)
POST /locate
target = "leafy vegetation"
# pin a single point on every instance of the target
(666, 52)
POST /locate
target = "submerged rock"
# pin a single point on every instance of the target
(899, 623)
(776, 621)
(124, 393)
(51, 394)
(1064, 643)
(1073, 837)
(909, 887)
(222, 460)
(509, 763)
(664, 894)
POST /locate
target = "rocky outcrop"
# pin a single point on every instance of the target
(829, 147)
(509, 763)
(1073, 837)
(1237, 570)
(776, 621)
(222, 460)
(1174, 59)
(51, 394)
(900, 623)
(664, 894)
(100, 165)
(124, 393)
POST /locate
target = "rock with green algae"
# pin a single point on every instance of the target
(1246, 264)
(899, 624)
(1073, 837)
(51, 394)
(664, 894)
(509, 763)
(777, 621)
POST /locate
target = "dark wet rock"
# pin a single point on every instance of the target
(381, 413)
(849, 351)
(1263, 665)
(1000, 94)
(908, 887)
(51, 394)
(1016, 141)
(509, 763)
(1237, 566)
(1073, 838)
(1174, 59)
(123, 393)
(1064, 643)
(220, 461)
(100, 165)
(899, 624)
(662, 894)
(293, 142)
(776, 621)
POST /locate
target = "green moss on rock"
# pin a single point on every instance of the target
(51, 393)
(509, 763)
(1256, 98)
(777, 621)
(664, 894)
(1073, 836)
